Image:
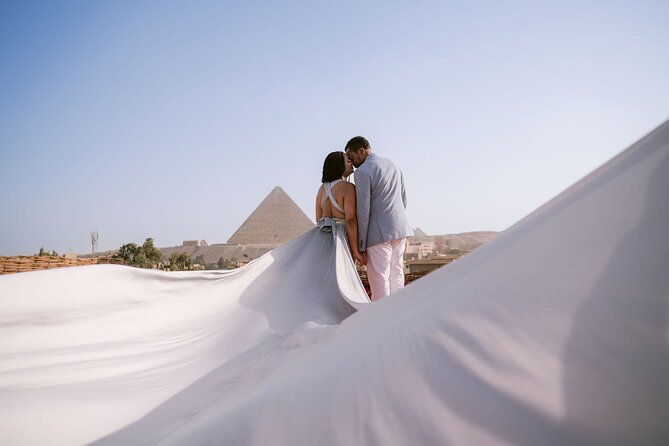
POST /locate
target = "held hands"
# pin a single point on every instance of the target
(361, 258)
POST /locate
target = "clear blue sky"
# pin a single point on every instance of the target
(173, 120)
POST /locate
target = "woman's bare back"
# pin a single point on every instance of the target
(339, 191)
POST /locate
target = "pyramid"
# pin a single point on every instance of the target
(278, 219)
(418, 232)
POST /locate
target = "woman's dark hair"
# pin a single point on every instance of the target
(333, 167)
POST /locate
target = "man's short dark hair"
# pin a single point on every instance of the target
(333, 167)
(356, 143)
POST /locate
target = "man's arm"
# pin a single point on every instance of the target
(363, 193)
(404, 191)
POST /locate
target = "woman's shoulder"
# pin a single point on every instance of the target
(345, 185)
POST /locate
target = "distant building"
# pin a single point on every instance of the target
(419, 250)
(196, 243)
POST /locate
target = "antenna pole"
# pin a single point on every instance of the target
(94, 241)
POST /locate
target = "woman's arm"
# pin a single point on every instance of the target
(352, 224)
(319, 209)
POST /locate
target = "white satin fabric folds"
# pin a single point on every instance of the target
(554, 333)
(87, 351)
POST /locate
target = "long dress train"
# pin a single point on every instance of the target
(107, 344)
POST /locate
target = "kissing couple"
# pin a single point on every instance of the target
(373, 211)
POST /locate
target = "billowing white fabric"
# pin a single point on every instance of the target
(85, 351)
(555, 332)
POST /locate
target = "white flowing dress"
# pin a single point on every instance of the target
(85, 351)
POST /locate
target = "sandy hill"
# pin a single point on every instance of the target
(465, 241)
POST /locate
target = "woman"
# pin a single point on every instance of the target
(336, 199)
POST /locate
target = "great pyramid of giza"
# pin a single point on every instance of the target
(275, 221)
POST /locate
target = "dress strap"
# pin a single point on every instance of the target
(328, 194)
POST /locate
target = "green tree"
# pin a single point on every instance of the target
(180, 261)
(224, 263)
(127, 252)
(149, 255)
(145, 256)
(42, 252)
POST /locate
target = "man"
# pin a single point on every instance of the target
(381, 212)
